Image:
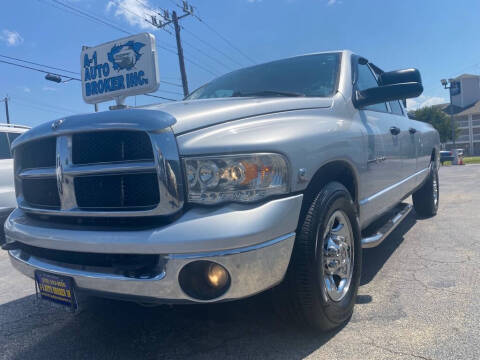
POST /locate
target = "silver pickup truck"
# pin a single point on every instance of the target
(270, 177)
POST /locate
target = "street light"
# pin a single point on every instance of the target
(445, 85)
(54, 78)
(58, 79)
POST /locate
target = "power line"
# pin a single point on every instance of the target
(170, 92)
(211, 46)
(170, 83)
(91, 16)
(224, 39)
(34, 63)
(39, 70)
(211, 28)
(207, 55)
(40, 103)
(72, 78)
(134, 13)
(163, 28)
(46, 105)
(186, 42)
(159, 97)
(40, 107)
(64, 70)
(94, 18)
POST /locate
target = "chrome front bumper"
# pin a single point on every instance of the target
(4, 213)
(254, 243)
(252, 270)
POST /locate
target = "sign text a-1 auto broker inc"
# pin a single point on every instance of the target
(119, 68)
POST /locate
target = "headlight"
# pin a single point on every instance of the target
(240, 178)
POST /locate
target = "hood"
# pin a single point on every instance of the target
(195, 114)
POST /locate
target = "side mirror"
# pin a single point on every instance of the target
(394, 85)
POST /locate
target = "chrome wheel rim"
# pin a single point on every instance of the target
(337, 264)
(435, 189)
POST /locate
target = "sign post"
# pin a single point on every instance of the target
(118, 69)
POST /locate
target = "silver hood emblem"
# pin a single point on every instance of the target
(57, 123)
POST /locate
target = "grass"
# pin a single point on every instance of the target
(467, 160)
(471, 160)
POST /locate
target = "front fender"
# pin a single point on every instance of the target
(308, 138)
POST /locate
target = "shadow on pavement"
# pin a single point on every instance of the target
(375, 258)
(108, 329)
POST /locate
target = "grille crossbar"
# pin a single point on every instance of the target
(138, 174)
(93, 169)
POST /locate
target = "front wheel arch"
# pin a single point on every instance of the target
(338, 170)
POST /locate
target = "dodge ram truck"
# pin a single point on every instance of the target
(272, 177)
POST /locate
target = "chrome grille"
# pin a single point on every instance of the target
(37, 154)
(100, 173)
(111, 146)
(42, 192)
(116, 192)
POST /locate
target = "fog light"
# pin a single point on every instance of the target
(217, 275)
(204, 280)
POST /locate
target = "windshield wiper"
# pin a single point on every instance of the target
(267, 93)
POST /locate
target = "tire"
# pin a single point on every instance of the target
(303, 296)
(426, 198)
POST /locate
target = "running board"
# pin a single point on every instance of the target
(402, 210)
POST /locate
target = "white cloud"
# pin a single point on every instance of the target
(48, 88)
(27, 89)
(254, 1)
(11, 38)
(333, 2)
(136, 13)
(423, 100)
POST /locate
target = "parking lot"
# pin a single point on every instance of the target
(419, 299)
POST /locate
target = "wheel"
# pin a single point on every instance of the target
(426, 198)
(322, 280)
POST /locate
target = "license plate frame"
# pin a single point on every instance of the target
(55, 288)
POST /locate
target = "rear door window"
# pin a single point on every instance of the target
(4, 146)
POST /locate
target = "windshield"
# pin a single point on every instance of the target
(308, 75)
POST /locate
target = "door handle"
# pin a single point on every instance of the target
(395, 130)
(412, 130)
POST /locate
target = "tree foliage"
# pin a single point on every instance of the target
(438, 119)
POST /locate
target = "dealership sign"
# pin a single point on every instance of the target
(120, 68)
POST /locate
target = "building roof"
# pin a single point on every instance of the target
(459, 111)
(465, 76)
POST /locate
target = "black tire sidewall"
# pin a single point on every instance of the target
(306, 273)
(338, 312)
(435, 176)
(423, 198)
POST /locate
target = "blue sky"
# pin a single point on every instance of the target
(439, 37)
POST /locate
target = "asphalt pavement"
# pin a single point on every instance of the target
(419, 299)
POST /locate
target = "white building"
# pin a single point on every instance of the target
(466, 110)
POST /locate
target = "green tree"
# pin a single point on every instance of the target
(438, 119)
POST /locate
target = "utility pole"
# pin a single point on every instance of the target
(5, 100)
(180, 54)
(165, 21)
(452, 87)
